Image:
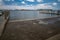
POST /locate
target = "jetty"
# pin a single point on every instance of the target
(3, 20)
(38, 29)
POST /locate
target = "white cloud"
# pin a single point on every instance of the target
(34, 7)
(16, 7)
(54, 4)
(30, 0)
(39, 6)
(39, 0)
(43, 6)
(23, 2)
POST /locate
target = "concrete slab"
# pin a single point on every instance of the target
(31, 30)
(56, 37)
(2, 27)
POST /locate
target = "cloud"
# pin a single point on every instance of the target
(44, 6)
(30, 7)
(23, 2)
(12, 0)
(30, 0)
(39, 0)
(0, 0)
(38, 6)
(54, 4)
(0, 3)
(58, 0)
(7, 0)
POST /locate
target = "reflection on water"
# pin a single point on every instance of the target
(22, 15)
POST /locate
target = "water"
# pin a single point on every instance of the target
(1, 17)
(23, 15)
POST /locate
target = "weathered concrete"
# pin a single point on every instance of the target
(2, 25)
(3, 20)
(31, 30)
(56, 37)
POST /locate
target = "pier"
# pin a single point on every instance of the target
(37, 29)
(3, 20)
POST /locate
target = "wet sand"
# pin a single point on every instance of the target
(32, 29)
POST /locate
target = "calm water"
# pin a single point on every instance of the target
(22, 15)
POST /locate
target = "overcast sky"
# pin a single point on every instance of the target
(30, 4)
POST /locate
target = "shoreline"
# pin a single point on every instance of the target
(35, 19)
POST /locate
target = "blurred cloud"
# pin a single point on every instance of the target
(55, 4)
(26, 5)
(23, 2)
(58, 0)
(0, 0)
(12, 0)
(30, 0)
(44, 6)
(30, 7)
(7, 0)
(39, 0)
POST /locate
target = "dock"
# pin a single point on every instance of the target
(3, 21)
(32, 29)
(37, 29)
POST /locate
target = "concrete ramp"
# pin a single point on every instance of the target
(56, 37)
(3, 20)
(2, 25)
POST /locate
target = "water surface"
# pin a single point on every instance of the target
(23, 15)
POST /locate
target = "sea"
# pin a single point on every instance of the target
(29, 15)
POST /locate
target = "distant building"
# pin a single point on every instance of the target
(47, 11)
(58, 12)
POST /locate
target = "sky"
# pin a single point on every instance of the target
(30, 4)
